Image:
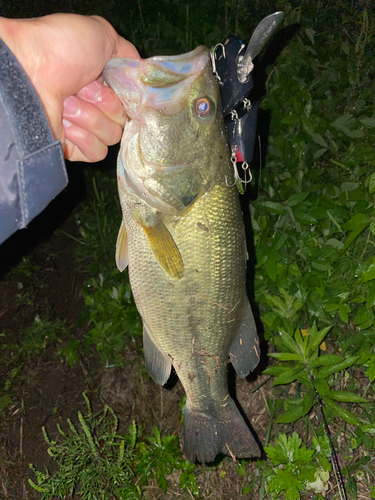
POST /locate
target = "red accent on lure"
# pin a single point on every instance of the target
(239, 156)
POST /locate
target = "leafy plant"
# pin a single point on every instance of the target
(300, 361)
(295, 468)
(159, 457)
(313, 227)
(99, 464)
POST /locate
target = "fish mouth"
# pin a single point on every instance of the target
(160, 82)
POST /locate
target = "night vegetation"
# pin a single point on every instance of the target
(312, 212)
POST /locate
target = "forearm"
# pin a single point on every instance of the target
(32, 168)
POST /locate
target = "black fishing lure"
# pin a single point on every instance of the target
(232, 63)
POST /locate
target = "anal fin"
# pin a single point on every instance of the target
(157, 364)
(245, 349)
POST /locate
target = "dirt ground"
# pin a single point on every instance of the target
(48, 391)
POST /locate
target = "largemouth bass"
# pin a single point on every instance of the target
(183, 238)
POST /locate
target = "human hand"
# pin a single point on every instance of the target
(64, 55)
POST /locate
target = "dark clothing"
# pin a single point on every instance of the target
(32, 167)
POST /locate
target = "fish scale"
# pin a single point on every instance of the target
(187, 266)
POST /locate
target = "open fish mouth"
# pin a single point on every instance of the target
(160, 82)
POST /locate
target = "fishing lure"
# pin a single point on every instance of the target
(232, 64)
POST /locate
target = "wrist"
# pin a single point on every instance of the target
(10, 33)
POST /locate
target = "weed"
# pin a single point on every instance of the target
(295, 468)
(92, 459)
(99, 464)
(300, 361)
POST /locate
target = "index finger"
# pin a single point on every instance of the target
(124, 48)
(104, 99)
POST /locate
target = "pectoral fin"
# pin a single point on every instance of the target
(163, 246)
(122, 248)
(158, 364)
(245, 349)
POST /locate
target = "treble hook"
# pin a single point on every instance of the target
(213, 62)
(234, 163)
(219, 45)
(245, 166)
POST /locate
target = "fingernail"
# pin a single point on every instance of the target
(71, 106)
(92, 92)
(67, 123)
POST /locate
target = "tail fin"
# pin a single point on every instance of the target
(207, 435)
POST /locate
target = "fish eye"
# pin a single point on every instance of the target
(204, 107)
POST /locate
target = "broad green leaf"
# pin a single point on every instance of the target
(329, 370)
(321, 387)
(339, 411)
(274, 370)
(355, 134)
(278, 243)
(345, 48)
(331, 306)
(352, 236)
(344, 314)
(315, 339)
(319, 139)
(318, 213)
(335, 243)
(369, 122)
(294, 269)
(286, 356)
(292, 414)
(309, 400)
(326, 360)
(320, 265)
(270, 266)
(347, 397)
(348, 186)
(343, 120)
(310, 34)
(304, 377)
(304, 217)
(357, 222)
(288, 376)
(297, 198)
(319, 153)
(364, 315)
(273, 207)
(275, 300)
(288, 341)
